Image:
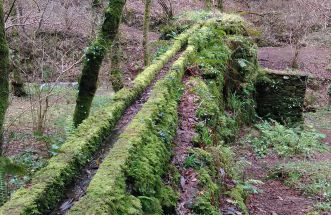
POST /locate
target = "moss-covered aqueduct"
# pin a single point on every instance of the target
(214, 87)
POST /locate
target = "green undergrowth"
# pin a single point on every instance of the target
(311, 178)
(213, 160)
(227, 69)
(46, 187)
(129, 181)
(286, 142)
(226, 66)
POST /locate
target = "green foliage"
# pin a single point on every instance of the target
(312, 178)
(116, 77)
(238, 195)
(323, 206)
(250, 186)
(286, 141)
(206, 202)
(198, 158)
(204, 135)
(227, 128)
(161, 47)
(31, 162)
(7, 166)
(170, 31)
(213, 59)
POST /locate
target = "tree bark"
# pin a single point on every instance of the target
(220, 5)
(4, 64)
(116, 74)
(147, 17)
(94, 57)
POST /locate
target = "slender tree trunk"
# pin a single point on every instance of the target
(220, 5)
(147, 17)
(4, 64)
(295, 64)
(116, 74)
(17, 81)
(94, 57)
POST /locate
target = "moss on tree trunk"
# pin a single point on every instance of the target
(116, 74)
(94, 57)
(4, 63)
(147, 17)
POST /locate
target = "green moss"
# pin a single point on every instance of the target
(141, 154)
(116, 77)
(238, 195)
(94, 56)
(289, 89)
(48, 183)
(131, 172)
(221, 112)
(207, 200)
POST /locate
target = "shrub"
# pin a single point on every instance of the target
(286, 141)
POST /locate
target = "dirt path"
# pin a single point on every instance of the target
(277, 199)
(274, 198)
(183, 143)
(79, 187)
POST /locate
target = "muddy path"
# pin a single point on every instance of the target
(188, 189)
(78, 189)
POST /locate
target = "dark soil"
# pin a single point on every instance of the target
(78, 189)
(183, 143)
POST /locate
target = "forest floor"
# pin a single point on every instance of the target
(302, 184)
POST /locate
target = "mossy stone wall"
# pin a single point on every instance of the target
(281, 97)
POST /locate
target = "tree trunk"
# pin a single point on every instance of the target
(116, 74)
(295, 64)
(17, 81)
(220, 5)
(94, 57)
(4, 64)
(147, 17)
